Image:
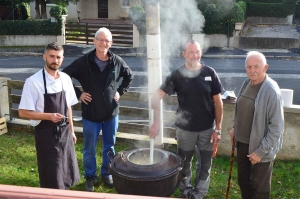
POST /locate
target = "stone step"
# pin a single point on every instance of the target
(269, 36)
(268, 43)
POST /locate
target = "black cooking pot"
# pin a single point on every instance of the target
(133, 174)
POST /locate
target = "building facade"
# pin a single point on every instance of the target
(95, 9)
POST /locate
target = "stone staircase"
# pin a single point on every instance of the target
(269, 36)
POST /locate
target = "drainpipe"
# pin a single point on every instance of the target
(154, 60)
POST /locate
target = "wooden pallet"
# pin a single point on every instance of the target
(3, 125)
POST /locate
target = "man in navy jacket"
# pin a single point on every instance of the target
(104, 77)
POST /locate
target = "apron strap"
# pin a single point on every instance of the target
(44, 79)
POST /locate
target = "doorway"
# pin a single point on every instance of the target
(103, 9)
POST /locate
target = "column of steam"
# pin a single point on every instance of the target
(154, 64)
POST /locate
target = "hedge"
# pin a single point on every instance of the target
(281, 10)
(267, 1)
(215, 20)
(297, 9)
(214, 24)
(30, 27)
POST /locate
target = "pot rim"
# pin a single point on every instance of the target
(147, 178)
(123, 174)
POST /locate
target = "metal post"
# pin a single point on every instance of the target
(154, 59)
(87, 33)
(228, 34)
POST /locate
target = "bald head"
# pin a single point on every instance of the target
(192, 42)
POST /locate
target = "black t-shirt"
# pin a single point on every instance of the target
(194, 91)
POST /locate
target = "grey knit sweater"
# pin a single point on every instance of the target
(268, 121)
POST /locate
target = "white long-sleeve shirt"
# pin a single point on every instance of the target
(33, 91)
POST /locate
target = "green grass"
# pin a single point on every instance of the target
(18, 167)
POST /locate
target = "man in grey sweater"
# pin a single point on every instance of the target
(258, 128)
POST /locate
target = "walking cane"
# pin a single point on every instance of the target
(230, 169)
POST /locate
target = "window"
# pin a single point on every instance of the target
(125, 3)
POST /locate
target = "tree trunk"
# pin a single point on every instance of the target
(37, 9)
(43, 9)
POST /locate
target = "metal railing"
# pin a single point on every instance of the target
(85, 32)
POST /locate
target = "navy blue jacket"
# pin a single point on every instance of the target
(118, 77)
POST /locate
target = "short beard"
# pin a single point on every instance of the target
(51, 67)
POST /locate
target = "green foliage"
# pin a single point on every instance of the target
(55, 12)
(65, 3)
(138, 18)
(15, 3)
(281, 10)
(297, 9)
(237, 13)
(219, 18)
(290, 6)
(24, 13)
(268, 1)
(213, 24)
(19, 6)
(58, 11)
(64, 11)
(29, 27)
(219, 22)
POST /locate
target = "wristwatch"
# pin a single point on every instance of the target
(218, 131)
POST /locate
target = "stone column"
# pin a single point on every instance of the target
(154, 59)
(4, 99)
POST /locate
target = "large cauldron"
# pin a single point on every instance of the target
(132, 173)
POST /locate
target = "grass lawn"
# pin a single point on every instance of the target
(18, 167)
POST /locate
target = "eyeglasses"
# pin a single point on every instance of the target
(102, 40)
(57, 128)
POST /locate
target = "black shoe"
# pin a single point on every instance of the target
(108, 181)
(89, 184)
(188, 193)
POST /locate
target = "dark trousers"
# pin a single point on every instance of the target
(254, 180)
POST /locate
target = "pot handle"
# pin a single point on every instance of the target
(123, 157)
(110, 155)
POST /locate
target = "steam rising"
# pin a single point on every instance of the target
(190, 73)
(178, 19)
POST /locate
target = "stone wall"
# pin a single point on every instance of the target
(270, 20)
(27, 40)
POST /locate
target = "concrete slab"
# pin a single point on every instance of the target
(268, 36)
(270, 31)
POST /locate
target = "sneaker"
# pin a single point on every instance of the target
(187, 193)
(89, 184)
(108, 181)
(190, 195)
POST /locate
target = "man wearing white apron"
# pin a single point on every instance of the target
(46, 99)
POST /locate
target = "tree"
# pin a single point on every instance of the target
(41, 14)
(37, 9)
(16, 3)
(19, 6)
(65, 2)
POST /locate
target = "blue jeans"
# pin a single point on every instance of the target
(91, 132)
